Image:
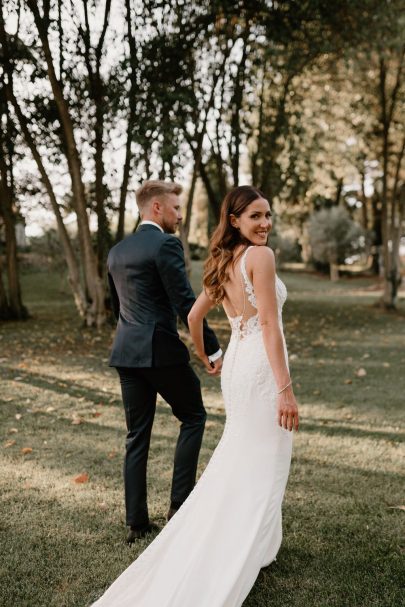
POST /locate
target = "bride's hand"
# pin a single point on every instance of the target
(211, 368)
(287, 410)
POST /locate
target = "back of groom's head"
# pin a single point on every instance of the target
(155, 189)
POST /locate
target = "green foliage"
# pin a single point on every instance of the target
(334, 235)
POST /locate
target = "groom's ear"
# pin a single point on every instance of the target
(156, 206)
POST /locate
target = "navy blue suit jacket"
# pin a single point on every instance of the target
(149, 288)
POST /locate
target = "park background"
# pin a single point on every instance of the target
(304, 100)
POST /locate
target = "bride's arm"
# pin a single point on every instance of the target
(195, 318)
(262, 263)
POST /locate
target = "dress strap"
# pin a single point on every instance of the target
(248, 285)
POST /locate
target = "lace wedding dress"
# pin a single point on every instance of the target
(210, 553)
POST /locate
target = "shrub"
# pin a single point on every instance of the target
(334, 236)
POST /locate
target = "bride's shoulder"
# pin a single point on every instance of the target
(261, 256)
(261, 262)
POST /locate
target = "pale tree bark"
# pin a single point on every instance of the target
(95, 313)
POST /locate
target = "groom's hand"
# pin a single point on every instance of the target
(216, 367)
(212, 368)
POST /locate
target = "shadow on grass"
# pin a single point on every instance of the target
(331, 428)
(60, 386)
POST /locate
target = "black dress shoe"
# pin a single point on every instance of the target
(171, 513)
(139, 533)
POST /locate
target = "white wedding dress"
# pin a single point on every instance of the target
(210, 553)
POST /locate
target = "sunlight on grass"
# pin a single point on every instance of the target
(62, 540)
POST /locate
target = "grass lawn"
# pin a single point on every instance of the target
(61, 422)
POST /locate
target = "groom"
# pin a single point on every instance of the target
(149, 288)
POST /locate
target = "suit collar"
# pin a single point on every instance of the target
(150, 224)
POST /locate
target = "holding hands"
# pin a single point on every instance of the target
(212, 368)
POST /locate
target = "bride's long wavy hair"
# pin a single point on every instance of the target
(225, 239)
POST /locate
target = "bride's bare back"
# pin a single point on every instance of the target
(236, 303)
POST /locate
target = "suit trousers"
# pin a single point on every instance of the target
(179, 386)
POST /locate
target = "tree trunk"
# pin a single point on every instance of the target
(96, 312)
(4, 307)
(103, 232)
(334, 272)
(237, 107)
(97, 95)
(364, 202)
(186, 248)
(125, 181)
(392, 214)
(392, 281)
(74, 274)
(17, 310)
(214, 203)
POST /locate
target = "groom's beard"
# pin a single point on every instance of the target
(169, 228)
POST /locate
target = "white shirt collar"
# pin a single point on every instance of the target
(146, 222)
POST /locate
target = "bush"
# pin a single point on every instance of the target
(288, 250)
(334, 236)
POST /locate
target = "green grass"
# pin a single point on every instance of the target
(62, 542)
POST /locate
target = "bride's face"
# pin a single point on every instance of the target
(255, 222)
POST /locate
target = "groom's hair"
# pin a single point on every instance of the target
(152, 189)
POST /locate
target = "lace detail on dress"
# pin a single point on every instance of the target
(248, 285)
(243, 328)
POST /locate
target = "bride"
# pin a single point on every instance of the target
(210, 553)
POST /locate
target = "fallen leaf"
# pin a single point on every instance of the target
(49, 409)
(12, 431)
(96, 414)
(18, 416)
(82, 478)
(18, 378)
(316, 392)
(361, 372)
(397, 507)
(26, 450)
(112, 454)
(9, 443)
(348, 381)
(76, 421)
(386, 365)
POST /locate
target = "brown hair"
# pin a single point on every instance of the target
(225, 239)
(151, 189)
